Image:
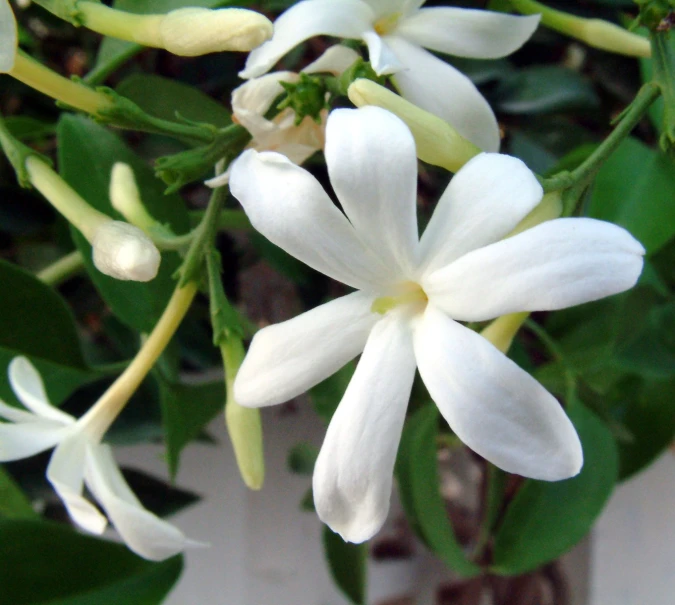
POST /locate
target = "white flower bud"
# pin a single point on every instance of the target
(8, 37)
(192, 31)
(123, 251)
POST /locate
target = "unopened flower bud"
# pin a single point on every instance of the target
(8, 37)
(502, 330)
(437, 142)
(126, 198)
(192, 31)
(123, 251)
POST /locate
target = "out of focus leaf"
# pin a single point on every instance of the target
(326, 395)
(87, 153)
(347, 563)
(635, 188)
(301, 458)
(29, 129)
(418, 482)
(13, 502)
(47, 564)
(156, 495)
(545, 519)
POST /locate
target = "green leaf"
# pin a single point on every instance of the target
(164, 98)
(48, 564)
(301, 458)
(14, 504)
(546, 89)
(418, 483)
(348, 565)
(37, 323)
(186, 409)
(546, 519)
(635, 188)
(326, 395)
(87, 153)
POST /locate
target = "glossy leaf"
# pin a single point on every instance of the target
(48, 564)
(418, 483)
(87, 153)
(545, 519)
(348, 565)
(14, 504)
(635, 188)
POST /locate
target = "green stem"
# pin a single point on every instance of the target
(228, 219)
(494, 496)
(663, 51)
(629, 119)
(62, 270)
(101, 71)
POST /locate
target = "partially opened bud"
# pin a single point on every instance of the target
(123, 251)
(8, 37)
(191, 31)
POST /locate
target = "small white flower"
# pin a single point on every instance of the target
(81, 459)
(251, 102)
(461, 270)
(8, 37)
(397, 32)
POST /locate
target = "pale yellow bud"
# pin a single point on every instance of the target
(191, 31)
(123, 251)
(126, 198)
(548, 209)
(503, 329)
(437, 142)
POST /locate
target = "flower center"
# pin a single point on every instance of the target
(413, 295)
(387, 24)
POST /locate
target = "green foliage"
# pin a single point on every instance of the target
(327, 395)
(546, 519)
(301, 458)
(14, 504)
(139, 305)
(417, 475)
(47, 564)
(348, 565)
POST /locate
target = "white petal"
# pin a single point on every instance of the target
(142, 531)
(8, 37)
(286, 359)
(291, 209)
(353, 473)
(484, 201)
(335, 60)
(27, 385)
(492, 405)
(9, 412)
(557, 264)
(372, 164)
(466, 32)
(383, 60)
(23, 440)
(66, 474)
(252, 100)
(341, 18)
(439, 88)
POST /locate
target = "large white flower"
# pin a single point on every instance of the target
(8, 37)
(397, 32)
(412, 294)
(251, 102)
(80, 458)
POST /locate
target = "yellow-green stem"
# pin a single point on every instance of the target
(62, 269)
(107, 408)
(37, 76)
(142, 29)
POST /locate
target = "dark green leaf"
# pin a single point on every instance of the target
(87, 153)
(186, 409)
(635, 188)
(26, 128)
(156, 495)
(14, 504)
(301, 458)
(545, 519)
(348, 565)
(47, 564)
(164, 98)
(417, 475)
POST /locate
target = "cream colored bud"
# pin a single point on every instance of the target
(123, 251)
(191, 31)
(503, 329)
(437, 142)
(549, 208)
(126, 198)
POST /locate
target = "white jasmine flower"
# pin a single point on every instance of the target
(8, 37)
(81, 459)
(412, 295)
(251, 102)
(397, 32)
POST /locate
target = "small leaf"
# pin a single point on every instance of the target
(546, 519)
(417, 475)
(14, 504)
(301, 458)
(348, 565)
(48, 564)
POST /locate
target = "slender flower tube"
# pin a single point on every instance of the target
(119, 249)
(397, 32)
(251, 102)
(412, 295)
(80, 458)
(188, 32)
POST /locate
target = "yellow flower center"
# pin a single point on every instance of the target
(412, 295)
(387, 24)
